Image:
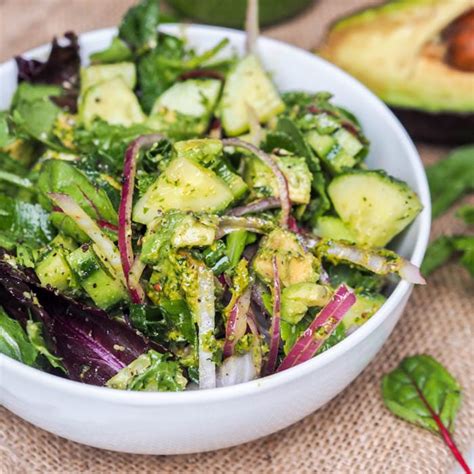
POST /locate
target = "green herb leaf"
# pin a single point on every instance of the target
(139, 27)
(466, 213)
(150, 372)
(420, 389)
(14, 342)
(437, 253)
(117, 52)
(450, 178)
(35, 334)
(465, 244)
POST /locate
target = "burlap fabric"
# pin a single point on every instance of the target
(354, 433)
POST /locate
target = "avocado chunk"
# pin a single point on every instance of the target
(296, 299)
(294, 264)
(375, 207)
(262, 181)
(105, 290)
(401, 51)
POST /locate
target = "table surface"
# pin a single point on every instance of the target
(354, 432)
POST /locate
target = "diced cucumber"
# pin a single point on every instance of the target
(92, 75)
(103, 288)
(325, 124)
(196, 97)
(262, 181)
(248, 85)
(338, 160)
(365, 307)
(237, 185)
(331, 227)
(184, 185)
(321, 144)
(349, 143)
(373, 205)
(54, 270)
(111, 101)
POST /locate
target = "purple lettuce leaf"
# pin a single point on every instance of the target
(61, 69)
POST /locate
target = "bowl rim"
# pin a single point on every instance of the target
(401, 290)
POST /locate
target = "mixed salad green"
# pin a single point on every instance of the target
(170, 219)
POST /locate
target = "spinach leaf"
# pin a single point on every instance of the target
(139, 27)
(359, 280)
(35, 334)
(6, 137)
(337, 336)
(150, 372)
(450, 178)
(13, 341)
(22, 222)
(421, 391)
(117, 52)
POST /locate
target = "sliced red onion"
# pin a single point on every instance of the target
(107, 225)
(255, 129)
(272, 164)
(126, 198)
(206, 325)
(136, 291)
(229, 224)
(201, 74)
(251, 26)
(235, 370)
(410, 272)
(293, 225)
(320, 329)
(275, 327)
(236, 322)
(255, 206)
(103, 244)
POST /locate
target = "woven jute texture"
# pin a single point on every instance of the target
(352, 434)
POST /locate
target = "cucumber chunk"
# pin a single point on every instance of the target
(331, 227)
(348, 142)
(248, 85)
(184, 185)
(92, 75)
(374, 206)
(54, 270)
(365, 307)
(321, 144)
(185, 108)
(111, 101)
(103, 288)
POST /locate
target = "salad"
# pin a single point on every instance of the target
(170, 220)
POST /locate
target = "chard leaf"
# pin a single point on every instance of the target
(450, 178)
(421, 389)
(465, 244)
(150, 372)
(13, 341)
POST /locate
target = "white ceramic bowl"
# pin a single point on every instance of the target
(172, 423)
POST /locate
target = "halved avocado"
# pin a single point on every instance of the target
(417, 56)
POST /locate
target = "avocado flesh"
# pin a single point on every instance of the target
(399, 57)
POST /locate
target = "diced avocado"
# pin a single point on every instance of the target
(374, 206)
(208, 152)
(296, 299)
(178, 230)
(54, 270)
(331, 227)
(262, 181)
(294, 264)
(248, 85)
(184, 185)
(186, 107)
(364, 308)
(321, 144)
(103, 288)
(92, 75)
(111, 101)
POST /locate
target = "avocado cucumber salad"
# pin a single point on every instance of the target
(170, 220)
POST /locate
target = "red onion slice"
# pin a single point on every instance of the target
(320, 329)
(255, 206)
(136, 291)
(126, 199)
(237, 322)
(272, 164)
(275, 327)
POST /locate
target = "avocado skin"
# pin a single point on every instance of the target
(447, 128)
